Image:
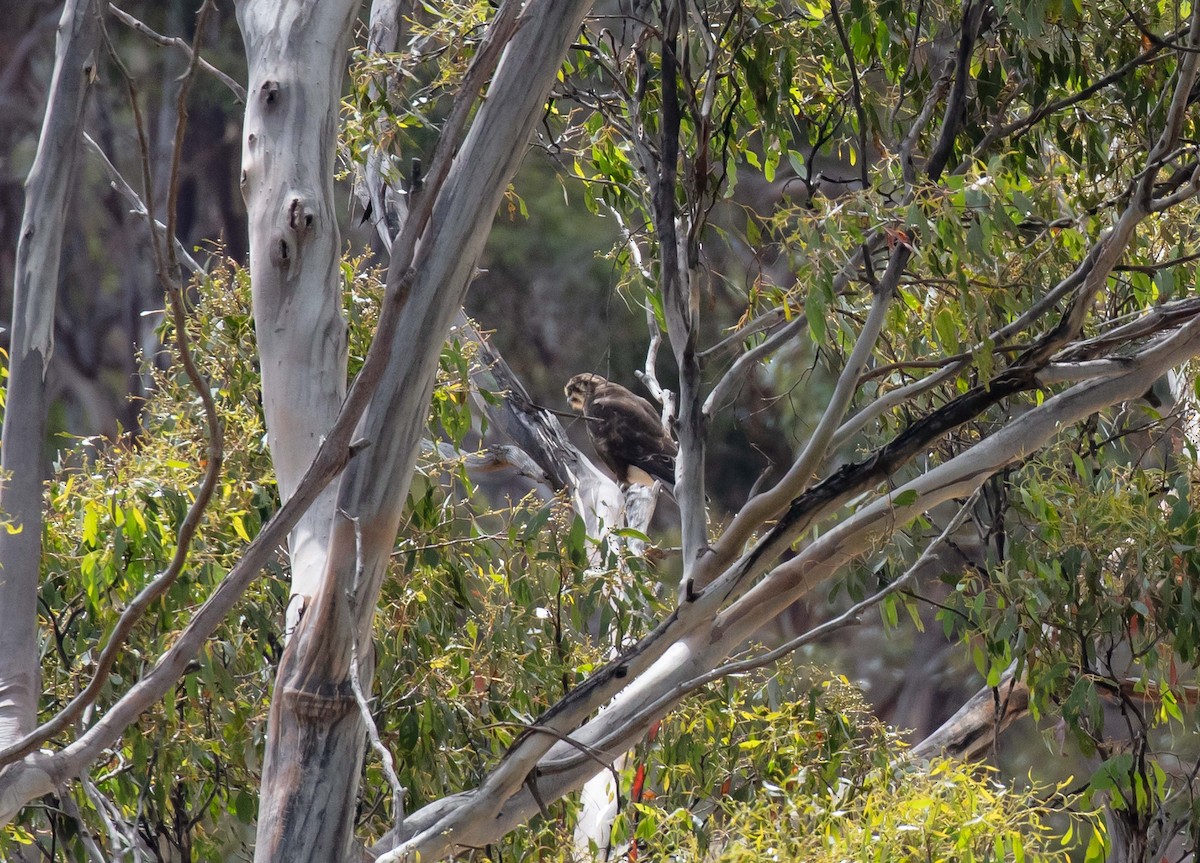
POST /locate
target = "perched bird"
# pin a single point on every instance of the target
(624, 429)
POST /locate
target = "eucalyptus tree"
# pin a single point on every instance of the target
(976, 221)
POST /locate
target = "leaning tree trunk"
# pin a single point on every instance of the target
(47, 194)
(315, 742)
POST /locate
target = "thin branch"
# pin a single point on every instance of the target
(181, 119)
(743, 365)
(648, 374)
(190, 525)
(911, 66)
(1186, 192)
(1019, 127)
(953, 359)
(763, 505)
(890, 400)
(119, 184)
(734, 342)
(71, 808)
(364, 708)
(128, 20)
(1157, 266)
(856, 93)
(117, 837)
(972, 21)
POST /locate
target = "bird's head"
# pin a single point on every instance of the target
(581, 387)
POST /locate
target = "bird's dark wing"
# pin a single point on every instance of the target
(627, 434)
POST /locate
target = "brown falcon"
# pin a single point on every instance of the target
(624, 429)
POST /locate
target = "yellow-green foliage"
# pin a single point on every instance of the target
(950, 812)
(816, 778)
(189, 770)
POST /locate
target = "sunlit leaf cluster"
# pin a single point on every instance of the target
(802, 771)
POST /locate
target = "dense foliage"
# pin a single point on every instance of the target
(801, 153)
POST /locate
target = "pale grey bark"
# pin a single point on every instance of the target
(296, 52)
(47, 196)
(311, 712)
(296, 61)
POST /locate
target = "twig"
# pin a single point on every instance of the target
(117, 837)
(1018, 127)
(743, 364)
(888, 368)
(909, 67)
(734, 341)
(890, 400)
(385, 756)
(128, 20)
(850, 617)
(972, 20)
(119, 184)
(191, 522)
(856, 93)
(85, 834)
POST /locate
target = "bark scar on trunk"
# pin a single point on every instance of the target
(299, 217)
(326, 701)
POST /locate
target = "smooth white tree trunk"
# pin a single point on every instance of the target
(296, 53)
(314, 747)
